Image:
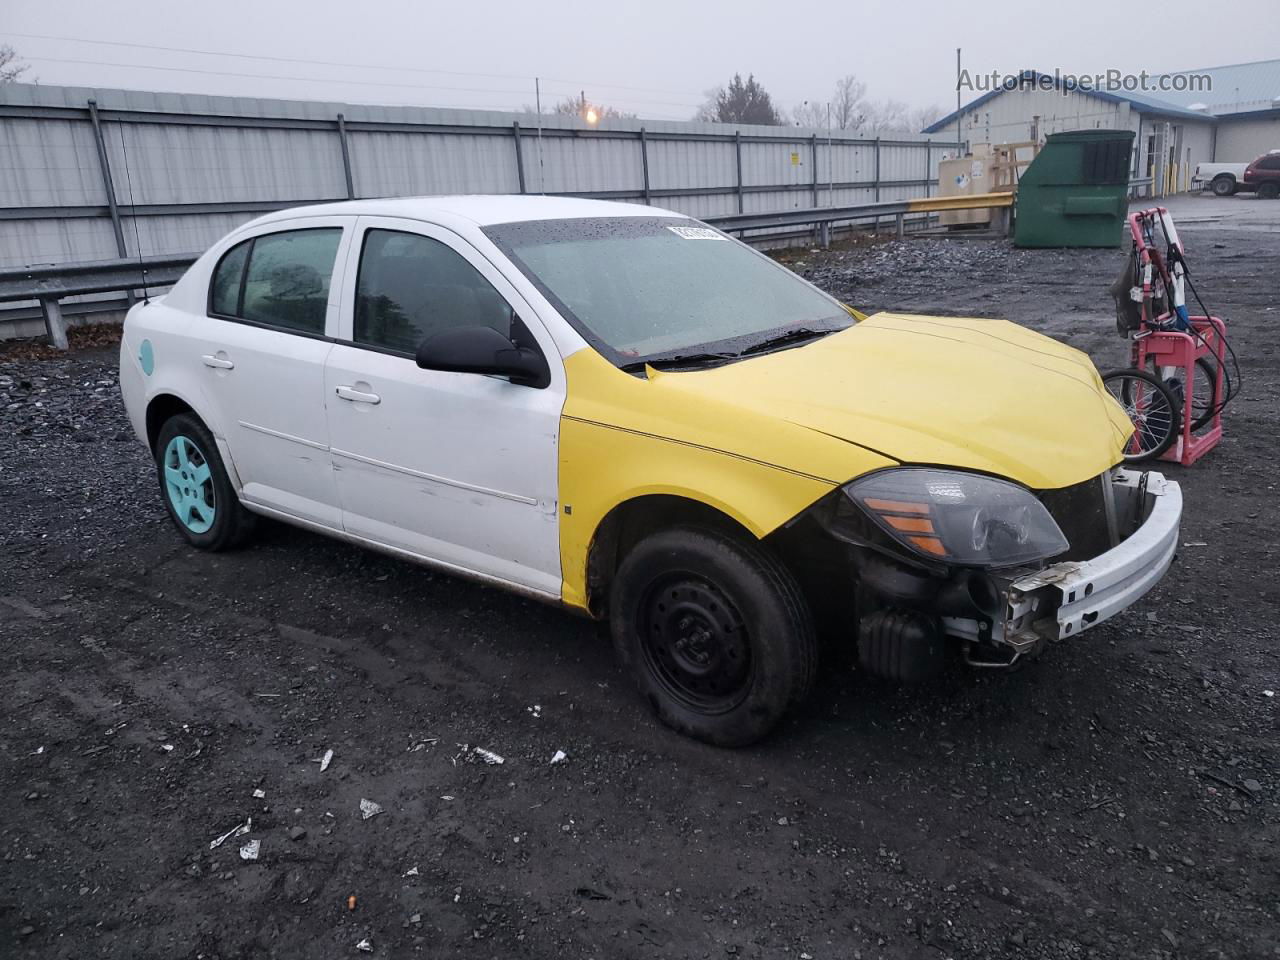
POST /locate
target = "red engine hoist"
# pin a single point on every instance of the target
(1178, 384)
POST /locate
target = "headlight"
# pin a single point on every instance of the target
(958, 517)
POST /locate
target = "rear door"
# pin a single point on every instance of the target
(260, 355)
(457, 467)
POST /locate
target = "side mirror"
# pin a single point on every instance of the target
(486, 351)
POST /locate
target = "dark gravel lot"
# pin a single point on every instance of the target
(1116, 798)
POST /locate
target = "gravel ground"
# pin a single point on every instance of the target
(1116, 798)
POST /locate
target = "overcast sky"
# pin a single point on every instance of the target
(656, 58)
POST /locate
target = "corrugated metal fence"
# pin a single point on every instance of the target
(97, 174)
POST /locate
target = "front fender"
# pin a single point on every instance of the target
(602, 467)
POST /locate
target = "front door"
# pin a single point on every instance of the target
(456, 467)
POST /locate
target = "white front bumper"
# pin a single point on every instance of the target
(1068, 598)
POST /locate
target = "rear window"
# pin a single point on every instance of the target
(278, 279)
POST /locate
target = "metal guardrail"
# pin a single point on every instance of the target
(49, 283)
(824, 217)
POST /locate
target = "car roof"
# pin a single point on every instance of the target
(479, 209)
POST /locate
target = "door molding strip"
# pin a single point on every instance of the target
(518, 498)
(283, 436)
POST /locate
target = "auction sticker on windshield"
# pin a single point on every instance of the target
(697, 233)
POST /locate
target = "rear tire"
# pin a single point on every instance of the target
(715, 632)
(195, 487)
(1223, 186)
(1269, 191)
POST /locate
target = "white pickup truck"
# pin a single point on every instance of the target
(1222, 178)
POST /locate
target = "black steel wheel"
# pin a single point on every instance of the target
(1151, 406)
(715, 632)
(695, 643)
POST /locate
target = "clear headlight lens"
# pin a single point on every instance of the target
(958, 517)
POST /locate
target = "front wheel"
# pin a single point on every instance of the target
(715, 631)
(195, 487)
(1152, 408)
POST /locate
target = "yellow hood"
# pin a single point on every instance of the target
(978, 394)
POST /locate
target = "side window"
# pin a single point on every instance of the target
(279, 279)
(224, 292)
(1269, 163)
(410, 287)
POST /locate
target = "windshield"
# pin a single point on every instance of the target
(649, 288)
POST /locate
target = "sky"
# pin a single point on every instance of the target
(656, 58)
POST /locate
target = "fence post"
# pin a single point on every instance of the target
(928, 168)
(898, 225)
(54, 322)
(644, 162)
(813, 154)
(737, 149)
(108, 184)
(515, 132)
(346, 157)
(877, 179)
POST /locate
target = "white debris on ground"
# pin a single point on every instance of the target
(250, 850)
(488, 756)
(236, 831)
(365, 945)
(259, 794)
(324, 761)
(369, 809)
(559, 757)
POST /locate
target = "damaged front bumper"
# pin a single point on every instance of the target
(1067, 598)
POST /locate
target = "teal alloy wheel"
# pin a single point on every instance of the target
(189, 484)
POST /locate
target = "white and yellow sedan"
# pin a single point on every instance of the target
(621, 410)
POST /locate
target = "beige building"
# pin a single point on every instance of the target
(1229, 114)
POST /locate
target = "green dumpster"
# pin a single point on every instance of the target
(1075, 192)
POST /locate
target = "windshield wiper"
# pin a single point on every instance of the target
(795, 335)
(677, 360)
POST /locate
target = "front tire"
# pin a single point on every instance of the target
(715, 631)
(195, 487)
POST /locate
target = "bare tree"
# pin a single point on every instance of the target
(844, 111)
(811, 113)
(894, 116)
(10, 67)
(921, 117)
(886, 115)
(743, 101)
(580, 106)
(847, 105)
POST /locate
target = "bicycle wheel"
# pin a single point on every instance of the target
(1204, 395)
(1152, 408)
